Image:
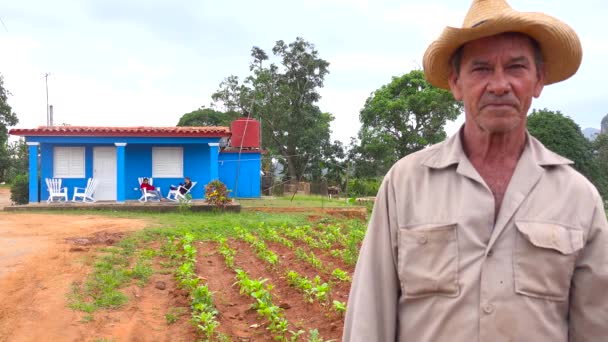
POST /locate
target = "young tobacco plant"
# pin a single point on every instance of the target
(341, 275)
(339, 307)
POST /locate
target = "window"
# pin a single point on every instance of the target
(68, 162)
(167, 162)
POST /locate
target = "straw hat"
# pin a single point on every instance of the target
(559, 43)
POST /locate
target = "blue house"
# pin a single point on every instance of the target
(117, 156)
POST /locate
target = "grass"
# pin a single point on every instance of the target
(111, 272)
(174, 314)
(299, 201)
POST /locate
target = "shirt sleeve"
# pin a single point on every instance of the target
(372, 304)
(588, 300)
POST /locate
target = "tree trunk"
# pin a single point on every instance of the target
(291, 169)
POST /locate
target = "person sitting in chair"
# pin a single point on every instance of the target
(183, 188)
(145, 184)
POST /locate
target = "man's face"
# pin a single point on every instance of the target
(497, 81)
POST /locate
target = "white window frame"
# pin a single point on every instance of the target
(73, 166)
(167, 162)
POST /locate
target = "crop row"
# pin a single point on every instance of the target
(204, 312)
(261, 292)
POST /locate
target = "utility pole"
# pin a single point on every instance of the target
(48, 116)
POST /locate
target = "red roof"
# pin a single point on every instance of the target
(80, 131)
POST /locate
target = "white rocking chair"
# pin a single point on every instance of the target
(145, 195)
(86, 195)
(176, 195)
(55, 190)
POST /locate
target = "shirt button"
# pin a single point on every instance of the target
(423, 239)
(488, 308)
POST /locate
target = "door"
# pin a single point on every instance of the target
(104, 169)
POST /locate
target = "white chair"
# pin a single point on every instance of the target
(176, 195)
(87, 193)
(145, 195)
(55, 190)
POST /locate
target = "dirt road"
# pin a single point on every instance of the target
(37, 269)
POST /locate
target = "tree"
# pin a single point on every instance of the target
(207, 117)
(7, 118)
(283, 97)
(563, 136)
(401, 117)
(19, 160)
(600, 164)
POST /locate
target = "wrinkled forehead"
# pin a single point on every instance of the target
(506, 43)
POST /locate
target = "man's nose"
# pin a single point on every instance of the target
(498, 83)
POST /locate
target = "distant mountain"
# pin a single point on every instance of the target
(590, 133)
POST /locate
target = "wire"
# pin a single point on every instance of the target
(2, 21)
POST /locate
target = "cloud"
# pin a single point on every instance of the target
(425, 20)
(372, 63)
(345, 106)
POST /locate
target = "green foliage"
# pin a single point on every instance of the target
(207, 117)
(284, 99)
(339, 307)
(600, 163)
(19, 160)
(562, 135)
(174, 314)
(110, 273)
(314, 336)
(7, 118)
(263, 305)
(185, 204)
(341, 275)
(259, 246)
(216, 194)
(20, 189)
(227, 252)
(401, 117)
(204, 312)
(361, 187)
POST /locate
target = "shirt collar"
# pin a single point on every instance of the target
(451, 152)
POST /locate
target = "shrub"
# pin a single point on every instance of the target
(216, 193)
(20, 189)
(360, 187)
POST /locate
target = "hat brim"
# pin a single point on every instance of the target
(560, 46)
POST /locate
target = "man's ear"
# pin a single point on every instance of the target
(455, 85)
(540, 84)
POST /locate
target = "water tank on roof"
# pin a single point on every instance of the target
(245, 133)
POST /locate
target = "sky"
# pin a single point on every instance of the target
(146, 63)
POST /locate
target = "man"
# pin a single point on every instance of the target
(487, 236)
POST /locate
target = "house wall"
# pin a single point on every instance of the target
(46, 169)
(138, 163)
(249, 173)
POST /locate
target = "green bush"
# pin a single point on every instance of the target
(360, 187)
(20, 189)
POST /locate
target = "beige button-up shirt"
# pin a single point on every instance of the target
(435, 266)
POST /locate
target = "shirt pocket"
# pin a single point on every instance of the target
(428, 261)
(544, 258)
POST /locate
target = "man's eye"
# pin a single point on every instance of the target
(516, 66)
(477, 69)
